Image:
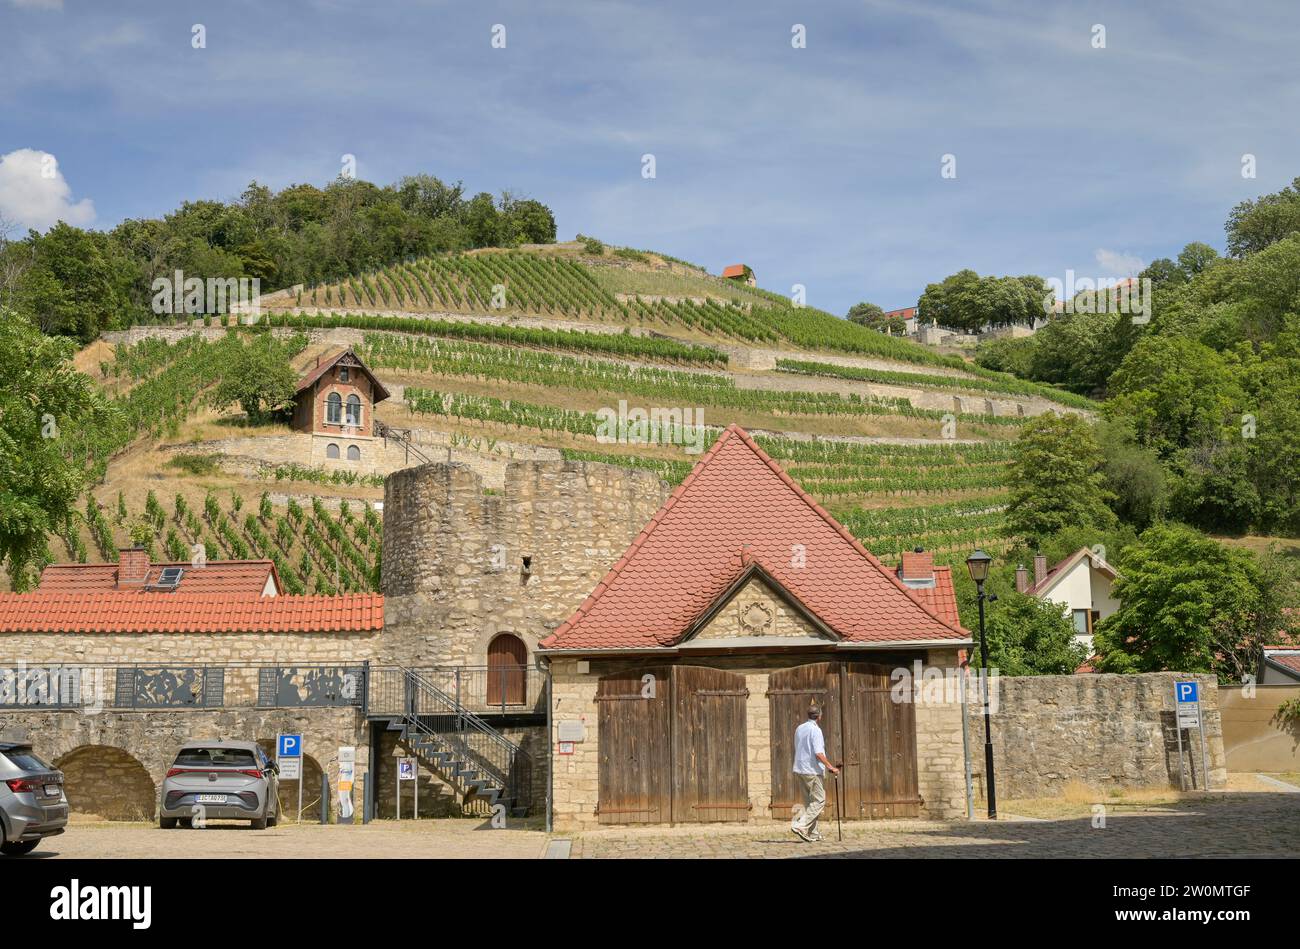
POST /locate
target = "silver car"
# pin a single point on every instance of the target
(32, 803)
(220, 780)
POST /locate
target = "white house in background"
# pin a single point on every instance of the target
(1280, 665)
(1081, 583)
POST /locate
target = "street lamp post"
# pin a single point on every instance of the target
(978, 565)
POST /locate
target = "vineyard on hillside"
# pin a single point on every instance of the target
(664, 386)
(503, 283)
(314, 550)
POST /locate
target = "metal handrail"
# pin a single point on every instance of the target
(511, 765)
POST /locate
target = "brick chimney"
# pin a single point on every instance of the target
(132, 567)
(918, 565)
(1022, 579)
(1040, 569)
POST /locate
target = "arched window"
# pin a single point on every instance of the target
(507, 671)
(354, 410)
(331, 450)
(354, 453)
(334, 409)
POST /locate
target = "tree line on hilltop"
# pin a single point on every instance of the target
(75, 282)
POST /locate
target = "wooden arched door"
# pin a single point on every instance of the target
(507, 670)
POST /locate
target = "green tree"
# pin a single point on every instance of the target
(1188, 604)
(965, 300)
(1175, 392)
(1253, 225)
(873, 317)
(1056, 480)
(43, 401)
(1029, 636)
(258, 377)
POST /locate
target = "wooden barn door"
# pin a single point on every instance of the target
(635, 782)
(789, 693)
(710, 778)
(507, 662)
(880, 744)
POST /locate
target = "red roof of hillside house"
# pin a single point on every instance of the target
(325, 363)
(118, 612)
(739, 515)
(134, 573)
(735, 270)
(1065, 565)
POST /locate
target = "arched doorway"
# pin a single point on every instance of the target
(507, 677)
(108, 783)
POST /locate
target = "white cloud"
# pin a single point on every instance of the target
(33, 192)
(1119, 264)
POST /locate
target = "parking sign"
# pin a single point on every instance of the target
(1186, 691)
(289, 746)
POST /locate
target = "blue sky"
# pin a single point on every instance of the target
(818, 166)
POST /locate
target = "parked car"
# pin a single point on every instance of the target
(32, 803)
(221, 780)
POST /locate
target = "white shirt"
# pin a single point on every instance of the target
(808, 744)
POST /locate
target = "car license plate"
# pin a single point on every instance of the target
(210, 798)
(51, 790)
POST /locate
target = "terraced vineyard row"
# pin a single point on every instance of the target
(951, 526)
(624, 344)
(314, 551)
(664, 386)
(516, 282)
(1001, 384)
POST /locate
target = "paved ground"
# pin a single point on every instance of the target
(1226, 825)
(441, 839)
(1229, 825)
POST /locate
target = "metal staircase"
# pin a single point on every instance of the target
(470, 754)
(403, 437)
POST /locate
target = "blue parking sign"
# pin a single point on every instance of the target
(1185, 691)
(289, 746)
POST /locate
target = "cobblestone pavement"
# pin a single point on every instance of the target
(438, 839)
(1228, 825)
(1245, 825)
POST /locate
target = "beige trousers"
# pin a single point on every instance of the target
(814, 800)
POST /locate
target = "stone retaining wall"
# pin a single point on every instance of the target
(1104, 731)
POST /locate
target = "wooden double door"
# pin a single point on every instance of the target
(672, 746)
(872, 735)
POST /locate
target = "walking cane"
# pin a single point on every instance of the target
(839, 825)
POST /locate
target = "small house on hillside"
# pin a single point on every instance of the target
(1081, 583)
(335, 404)
(740, 273)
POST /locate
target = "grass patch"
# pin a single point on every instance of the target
(196, 464)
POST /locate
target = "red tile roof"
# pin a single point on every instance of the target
(1288, 656)
(327, 362)
(188, 613)
(217, 576)
(737, 508)
(940, 599)
(735, 270)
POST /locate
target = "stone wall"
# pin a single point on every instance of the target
(130, 746)
(1103, 731)
(453, 553)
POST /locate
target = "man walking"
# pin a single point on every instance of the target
(809, 759)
